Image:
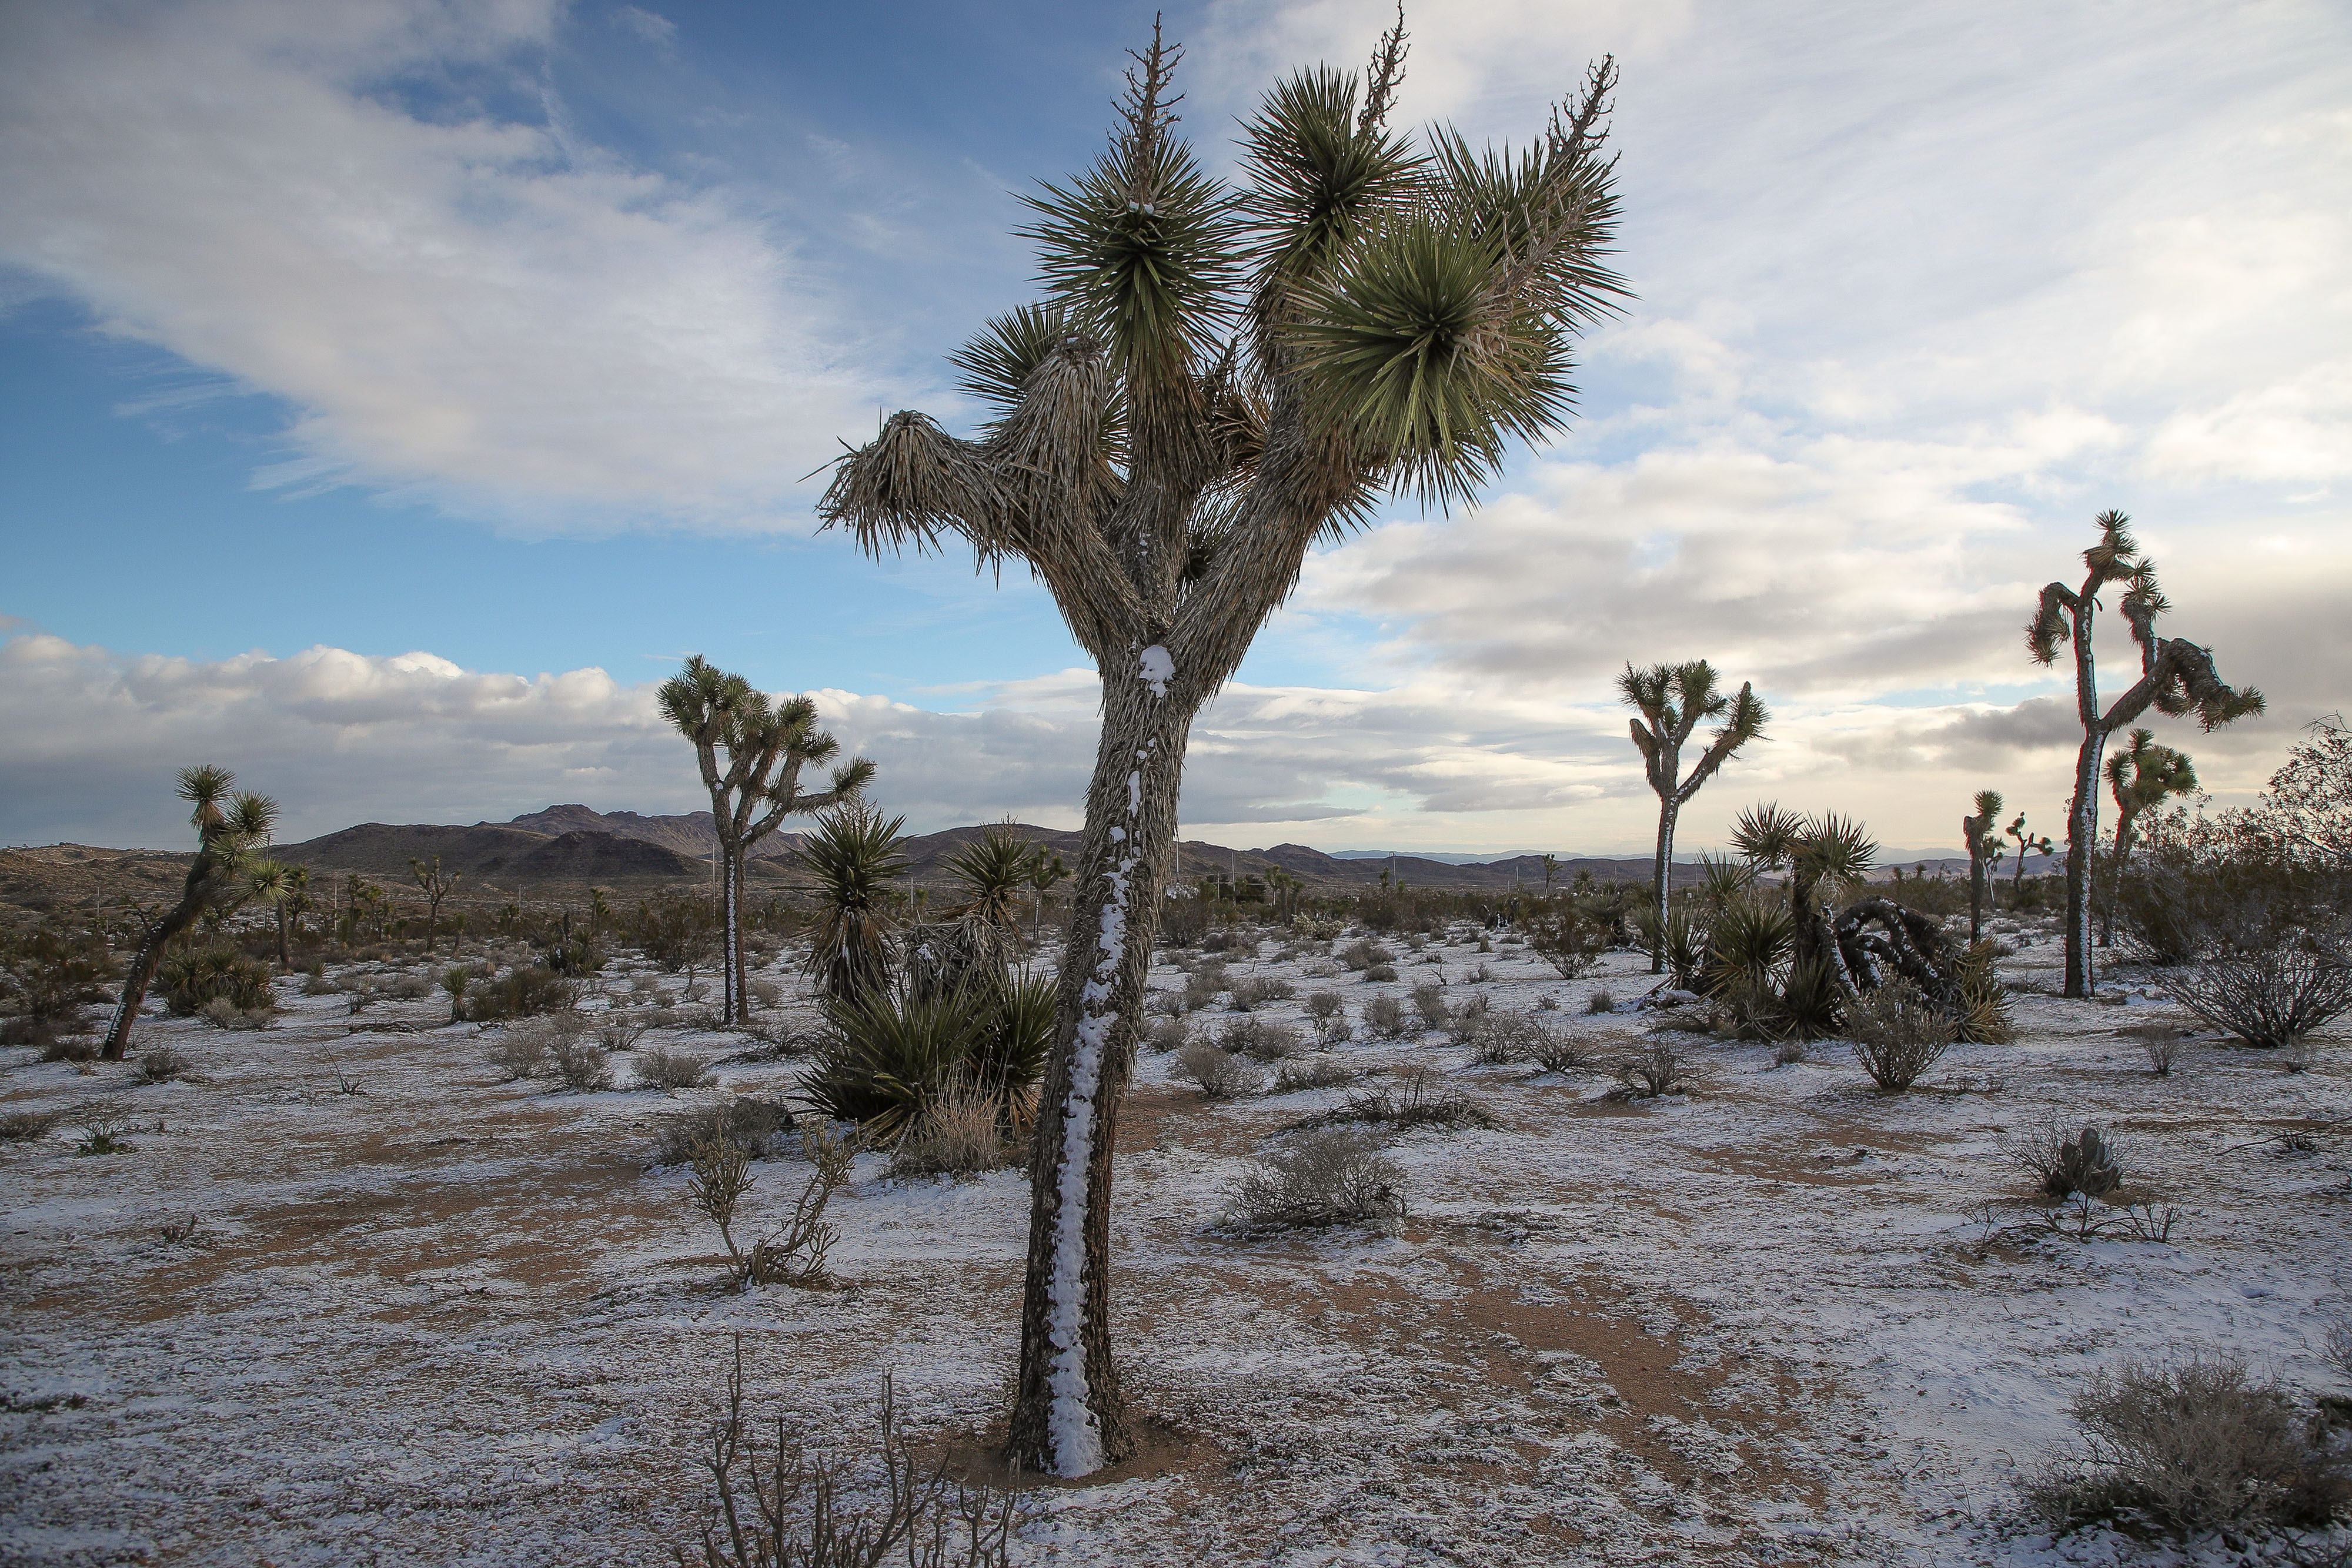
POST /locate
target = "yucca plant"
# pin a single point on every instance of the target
(888, 1052)
(853, 856)
(233, 828)
(1217, 378)
(2177, 677)
(1673, 700)
(991, 871)
(1984, 845)
(750, 750)
(1823, 855)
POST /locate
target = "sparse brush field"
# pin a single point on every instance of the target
(376, 1287)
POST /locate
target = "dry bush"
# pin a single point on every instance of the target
(1257, 1039)
(1898, 1034)
(1326, 1177)
(1658, 1068)
(580, 1062)
(2336, 1347)
(1322, 1005)
(1600, 1001)
(660, 1068)
(519, 1053)
(1365, 953)
(1166, 1004)
(2161, 1042)
(1333, 1031)
(159, 1064)
(1569, 941)
(2268, 996)
(1256, 990)
(753, 1125)
(1202, 989)
(1381, 972)
(2063, 1163)
(24, 1127)
(618, 1031)
(1428, 1002)
(793, 1253)
(793, 1507)
(1297, 1075)
(1417, 1099)
(2190, 1447)
(721, 1175)
(525, 991)
(958, 1135)
(1384, 1017)
(1218, 1074)
(102, 1130)
(78, 1049)
(1167, 1035)
(1497, 1040)
(222, 1013)
(766, 993)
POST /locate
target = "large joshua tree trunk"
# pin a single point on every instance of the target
(1070, 1415)
(731, 920)
(1662, 867)
(2083, 810)
(147, 960)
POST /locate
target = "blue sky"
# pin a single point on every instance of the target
(389, 393)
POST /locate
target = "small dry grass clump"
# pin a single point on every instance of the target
(753, 1125)
(159, 1064)
(25, 1126)
(2161, 1042)
(1418, 1100)
(1384, 1017)
(222, 1013)
(2190, 1447)
(1330, 1176)
(1898, 1034)
(1295, 1076)
(1658, 1068)
(668, 1070)
(1257, 1039)
(957, 1134)
(619, 1031)
(1217, 1073)
(1600, 1001)
(1256, 990)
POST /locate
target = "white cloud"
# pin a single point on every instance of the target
(470, 306)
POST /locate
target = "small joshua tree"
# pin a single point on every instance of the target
(1218, 379)
(1984, 843)
(2177, 677)
(231, 831)
(2028, 843)
(1045, 869)
(764, 746)
(436, 885)
(2140, 777)
(1673, 699)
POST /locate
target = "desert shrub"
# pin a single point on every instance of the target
(222, 1013)
(795, 1507)
(1168, 1034)
(525, 991)
(1658, 1068)
(1568, 940)
(1322, 1005)
(408, 988)
(24, 1127)
(1218, 1074)
(1983, 1008)
(518, 1052)
(1222, 941)
(660, 1068)
(49, 972)
(1468, 1015)
(2190, 1447)
(753, 1125)
(959, 1134)
(1294, 1076)
(1600, 1001)
(1183, 922)
(1203, 987)
(1788, 1053)
(1416, 1098)
(159, 1064)
(189, 980)
(2268, 996)
(1497, 1040)
(1166, 1004)
(74, 1048)
(1256, 1037)
(619, 1031)
(317, 984)
(1328, 1177)
(580, 1062)
(102, 1131)
(1384, 1016)
(1381, 972)
(2063, 1163)
(766, 993)
(1481, 974)
(1898, 1034)
(1429, 1003)
(886, 1053)
(1364, 952)
(1259, 989)
(2160, 1041)
(1334, 1030)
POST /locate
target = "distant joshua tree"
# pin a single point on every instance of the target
(436, 886)
(231, 831)
(2176, 676)
(1046, 869)
(2140, 777)
(2028, 843)
(1984, 843)
(751, 752)
(1218, 379)
(1673, 700)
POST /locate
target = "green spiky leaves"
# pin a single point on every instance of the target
(1319, 174)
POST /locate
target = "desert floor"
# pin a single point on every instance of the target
(350, 1299)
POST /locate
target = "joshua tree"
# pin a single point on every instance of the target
(435, 886)
(2026, 844)
(1045, 869)
(1823, 856)
(1551, 870)
(2176, 676)
(1984, 843)
(232, 831)
(283, 887)
(1672, 700)
(1218, 379)
(757, 786)
(854, 854)
(2140, 777)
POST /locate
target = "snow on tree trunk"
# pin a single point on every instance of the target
(2082, 812)
(1069, 1417)
(1660, 893)
(731, 917)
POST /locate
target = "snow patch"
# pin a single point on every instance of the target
(1158, 668)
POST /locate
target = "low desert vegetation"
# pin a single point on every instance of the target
(1323, 1178)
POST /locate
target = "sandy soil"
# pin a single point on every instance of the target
(448, 1320)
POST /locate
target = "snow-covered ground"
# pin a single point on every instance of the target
(448, 1320)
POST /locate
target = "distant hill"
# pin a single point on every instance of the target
(486, 852)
